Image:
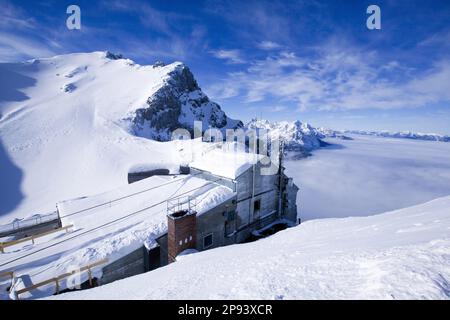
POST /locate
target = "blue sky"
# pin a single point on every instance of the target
(282, 60)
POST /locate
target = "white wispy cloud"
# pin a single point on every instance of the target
(232, 56)
(15, 40)
(12, 17)
(275, 108)
(13, 48)
(339, 77)
(268, 45)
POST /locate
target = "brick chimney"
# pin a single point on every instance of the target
(181, 233)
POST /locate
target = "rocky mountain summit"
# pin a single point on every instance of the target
(177, 104)
(300, 138)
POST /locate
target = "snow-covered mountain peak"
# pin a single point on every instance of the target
(297, 136)
(81, 118)
(177, 104)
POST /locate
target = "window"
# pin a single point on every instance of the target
(257, 206)
(208, 241)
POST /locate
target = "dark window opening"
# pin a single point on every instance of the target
(256, 206)
(207, 241)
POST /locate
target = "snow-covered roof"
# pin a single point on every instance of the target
(109, 225)
(226, 163)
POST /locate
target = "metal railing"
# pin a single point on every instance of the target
(187, 203)
(35, 220)
(57, 279)
(4, 245)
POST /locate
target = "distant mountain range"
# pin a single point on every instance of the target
(298, 137)
(402, 134)
(303, 138)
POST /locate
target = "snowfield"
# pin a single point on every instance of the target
(75, 125)
(370, 175)
(404, 254)
(60, 131)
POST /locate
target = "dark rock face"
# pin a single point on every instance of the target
(177, 104)
(184, 80)
(158, 64)
(113, 56)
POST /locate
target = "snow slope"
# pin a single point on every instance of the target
(73, 125)
(403, 254)
(370, 175)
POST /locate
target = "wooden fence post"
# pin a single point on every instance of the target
(90, 276)
(57, 285)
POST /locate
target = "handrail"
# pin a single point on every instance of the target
(29, 222)
(63, 276)
(4, 245)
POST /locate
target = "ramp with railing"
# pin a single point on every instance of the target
(29, 226)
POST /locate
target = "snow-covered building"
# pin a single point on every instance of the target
(258, 200)
(262, 196)
(225, 199)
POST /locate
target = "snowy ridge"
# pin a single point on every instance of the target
(403, 254)
(297, 136)
(403, 134)
(387, 134)
(177, 104)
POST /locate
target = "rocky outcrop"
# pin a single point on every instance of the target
(177, 104)
(299, 138)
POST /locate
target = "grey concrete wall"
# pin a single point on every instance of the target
(162, 241)
(290, 202)
(33, 230)
(127, 266)
(137, 176)
(265, 189)
(213, 222)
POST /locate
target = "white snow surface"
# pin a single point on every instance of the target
(225, 162)
(61, 129)
(404, 254)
